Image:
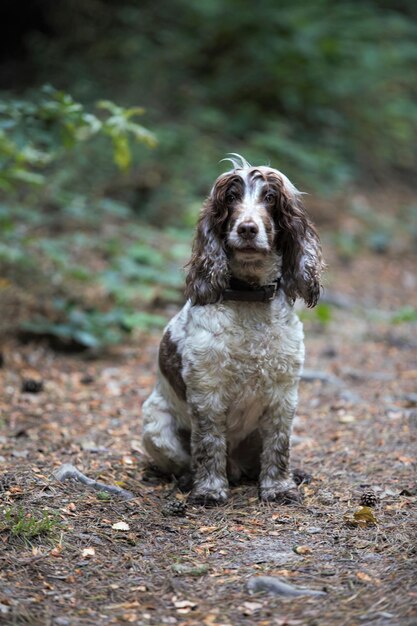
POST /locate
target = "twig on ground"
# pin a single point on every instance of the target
(28, 560)
(33, 559)
(68, 471)
(272, 584)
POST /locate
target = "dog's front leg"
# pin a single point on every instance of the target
(208, 458)
(275, 482)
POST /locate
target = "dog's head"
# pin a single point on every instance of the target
(251, 215)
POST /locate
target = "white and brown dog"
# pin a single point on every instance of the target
(230, 360)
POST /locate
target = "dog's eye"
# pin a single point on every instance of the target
(230, 197)
(270, 197)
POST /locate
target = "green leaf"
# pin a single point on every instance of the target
(25, 176)
(143, 253)
(406, 314)
(80, 273)
(122, 154)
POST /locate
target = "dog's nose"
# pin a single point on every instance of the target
(247, 230)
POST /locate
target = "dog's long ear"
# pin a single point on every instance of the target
(208, 273)
(299, 244)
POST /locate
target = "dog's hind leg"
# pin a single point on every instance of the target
(163, 441)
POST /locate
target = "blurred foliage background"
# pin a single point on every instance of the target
(324, 90)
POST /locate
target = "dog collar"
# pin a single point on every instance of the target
(241, 291)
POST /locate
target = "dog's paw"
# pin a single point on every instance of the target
(283, 492)
(208, 497)
(289, 496)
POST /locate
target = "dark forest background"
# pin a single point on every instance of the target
(323, 90)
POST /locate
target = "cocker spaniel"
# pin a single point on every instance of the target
(230, 360)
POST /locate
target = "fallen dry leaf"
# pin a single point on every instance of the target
(407, 460)
(121, 526)
(88, 552)
(303, 550)
(363, 517)
(283, 572)
(366, 578)
(184, 606)
(135, 565)
(347, 419)
(15, 489)
(250, 607)
(124, 605)
(211, 618)
(56, 551)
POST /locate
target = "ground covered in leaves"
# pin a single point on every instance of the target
(74, 556)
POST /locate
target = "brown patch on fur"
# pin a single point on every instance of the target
(170, 364)
(266, 219)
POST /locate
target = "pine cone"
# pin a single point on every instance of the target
(174, 508)
(369, 498)
(29, 385)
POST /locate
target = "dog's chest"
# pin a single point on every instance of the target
(251, 350)
(245, 349)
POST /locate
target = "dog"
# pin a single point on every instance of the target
(230, 360)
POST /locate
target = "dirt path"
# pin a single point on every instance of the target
(356, 432)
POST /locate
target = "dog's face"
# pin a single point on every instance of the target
(253, 198)
(251, 214)
(250, 226)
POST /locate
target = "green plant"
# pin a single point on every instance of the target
(26, 526)
(141, 268)
(85, 328)
(35, 133)
(93, 329)
(405, 314)
(104, 496)
(324, 90)
(37, 196)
